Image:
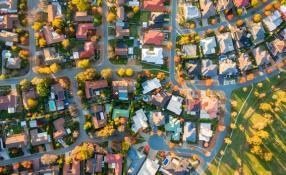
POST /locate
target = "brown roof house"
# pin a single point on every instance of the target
(51, 36)
(99, 117)
(115, 163)
(123, 89)
(8, 36)
(16, 141)
(9, 21)
(161, 98)
(52, 11)
(60, 130)
(278, 46)
(51, 56)
(84, 30)
(9, 103)
(12, 62)
(261, 56)
(92, 88)
(39, 138)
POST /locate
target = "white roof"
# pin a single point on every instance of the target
(205, 132)
(192, 12)
(150, 85)
(139, 121)
(208, 44)
(273, 21)
(153, 56)
(149, 168)
(33, 123)
(225, 42)
(175, 105)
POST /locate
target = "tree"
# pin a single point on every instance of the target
(121, 72)
(73, 110)
(254, 3)
(66, 43)
(87, 125)
(227, 140)
(136, 9)
(257, 18)
(55, 67)
(161, 76)
(32, 103)
(239, 11)
(110, 17)
(125, 145)
(88, 74)
(267, 156)
(169, 45)
(37, 26)
(26, 164)
(257, 150)
(83, 64)
(265, 107)
(239, 23)
(49, 159)
(43, 87)
(42, 42)
(81, 5)
(107, 131)
(57, 23)
(83, 152)
(106, 73)
(129, 72)
(24, 54)
(64, 82)
(263, 134)
(25, 84)
(254, 140)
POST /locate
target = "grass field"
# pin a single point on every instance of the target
(238, 158)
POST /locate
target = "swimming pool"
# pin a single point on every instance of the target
(52, 106)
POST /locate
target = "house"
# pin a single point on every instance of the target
(11, 62)
(72, 169)
(153, 5)
(161, 98)
(241, 3)
(84, 30)
(139, 121)
(88, 50)
(205, 132)
(191, 12)
(52, 56)
(157, 118)
(153, 37)
(244, 62)
(190, 50)
(52, 36)
(39, 138)
(209, 105)
(114, 162)
(190, 132)
(273, 21)
(153, 55)
(7, 36)
(225, 42)
(149, 167)
(133, 3)
(175, 104)
(227, 66)
(8, 6)
(9, 21)
(261, 56)
(99, 118)
(224, 5)
(28, 94)
(120, 13)
(122, 31)
(257, 31)
(16, 141)
(121, 49)
(278, 46)
(156, 20)
(176, 165)
(124, 113)
(92, 88)
(174, 126)
(207, 8)
(9, 103)
(208, 45)
(193, 102)
(192, 67)
(83, 17)
(136, 160)
(60, 130)
(242, 38)
(208, 68)
(57, 97)
(52, 10)
(150, 85)
(123, 89)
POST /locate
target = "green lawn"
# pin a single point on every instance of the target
(238, 159)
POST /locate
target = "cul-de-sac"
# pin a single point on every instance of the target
(142, 87)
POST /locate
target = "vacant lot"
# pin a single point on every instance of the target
(238, 158)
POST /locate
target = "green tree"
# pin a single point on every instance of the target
(32, 103)
(106, 73)
(25, 84)
(81, 5)
(55, 67)
(66, 43)
(83, 64)
(57, 23)
(83, 152)
(88, 74)
(43, 87)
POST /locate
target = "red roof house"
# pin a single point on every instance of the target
(92, 86)
(88, 50)
(83, 29)
(153, 5)
(241, 3)
(115, 161)
(153, 37)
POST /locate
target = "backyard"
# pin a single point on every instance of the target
(239, 157)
